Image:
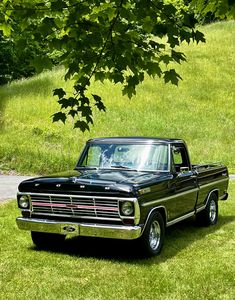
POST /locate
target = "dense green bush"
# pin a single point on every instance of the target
(14, 64)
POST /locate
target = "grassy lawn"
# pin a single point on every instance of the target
(201, 111)
(196, 263)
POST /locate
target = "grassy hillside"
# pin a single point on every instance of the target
(201, 111)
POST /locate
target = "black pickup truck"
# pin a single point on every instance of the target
(123, 188)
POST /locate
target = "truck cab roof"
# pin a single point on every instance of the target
(133, 139)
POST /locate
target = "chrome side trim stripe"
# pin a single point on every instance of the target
(212, 183)
(200, 208)
(184, 193)
(170, 197)
(180, 218)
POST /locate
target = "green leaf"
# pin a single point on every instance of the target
(59, 92)
(59, 116)
(6, 29)
(129, 91)
(96, 98)
(148, 24)
(199, 37)
(82, 125)
(172, 76)
(178, 56)
(58, 5)
(118, 77)
(73, 113)
(153, 69)
(166, 59)
(99, 104)
(100, 76)
(86, 111)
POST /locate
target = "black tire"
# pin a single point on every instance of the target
(153, 236)
(45, 240)
(209, 216)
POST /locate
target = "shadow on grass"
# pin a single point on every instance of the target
(178, 237)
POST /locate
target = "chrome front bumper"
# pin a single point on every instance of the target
(80, 229)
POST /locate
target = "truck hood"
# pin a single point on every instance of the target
(95, 181)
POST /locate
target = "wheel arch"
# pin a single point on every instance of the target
(214, 191)
(162, 211)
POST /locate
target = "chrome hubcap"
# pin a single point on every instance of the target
(212, 211)
(154, 235)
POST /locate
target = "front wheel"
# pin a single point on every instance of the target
(153, 236)
(209, 216)
(45, 240)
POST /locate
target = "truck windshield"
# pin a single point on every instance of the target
(143, 157)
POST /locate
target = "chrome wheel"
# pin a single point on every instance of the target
(212, 211)
(209, 215)
(154, 235)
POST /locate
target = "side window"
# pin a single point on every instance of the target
(93, 156)
(179, 158)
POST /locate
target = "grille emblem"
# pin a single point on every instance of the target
(69, 228)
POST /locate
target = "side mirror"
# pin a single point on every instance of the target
(184, 169)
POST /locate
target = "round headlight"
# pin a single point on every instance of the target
(127, 208)
(24, 201)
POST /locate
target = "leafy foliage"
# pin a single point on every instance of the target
(117, 40)
(14, 64)
(213, 10)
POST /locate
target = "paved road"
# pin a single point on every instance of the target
(9, 184)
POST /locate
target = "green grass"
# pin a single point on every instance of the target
(196, 263)
(201, 111)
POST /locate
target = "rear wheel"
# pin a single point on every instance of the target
(152, 238)
(45, 240)
(209, 216)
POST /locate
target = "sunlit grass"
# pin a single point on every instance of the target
(201, 111)
(196, 263)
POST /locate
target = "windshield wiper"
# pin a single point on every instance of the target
(86, 168)
(123, 167)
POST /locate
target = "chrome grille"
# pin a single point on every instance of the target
(75, 206)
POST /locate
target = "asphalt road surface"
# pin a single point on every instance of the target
(9, 186)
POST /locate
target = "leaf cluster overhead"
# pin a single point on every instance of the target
(116, 40)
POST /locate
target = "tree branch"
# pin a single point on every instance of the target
(106, 41)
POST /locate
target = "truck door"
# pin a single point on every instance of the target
(183, 187)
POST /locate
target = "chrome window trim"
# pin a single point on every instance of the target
(170, 197)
